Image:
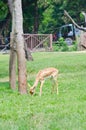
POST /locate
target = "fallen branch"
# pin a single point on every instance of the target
(79, 27)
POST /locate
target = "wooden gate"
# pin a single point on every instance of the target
(38, 42)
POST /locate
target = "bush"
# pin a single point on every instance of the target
(73, 47)
(60, 45)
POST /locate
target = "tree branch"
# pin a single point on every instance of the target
(79, 27)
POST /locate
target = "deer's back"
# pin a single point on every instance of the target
(47, 72)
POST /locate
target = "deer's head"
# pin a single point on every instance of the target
(32, 91)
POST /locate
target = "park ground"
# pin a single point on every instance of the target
(66, 111)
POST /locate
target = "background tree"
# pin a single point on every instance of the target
(41, 16)
(74, 8)
(50, 14)
(4, 21)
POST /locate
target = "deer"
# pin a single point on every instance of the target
(44, 74)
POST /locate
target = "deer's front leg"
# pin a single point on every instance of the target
(42, 82)
(55, 84)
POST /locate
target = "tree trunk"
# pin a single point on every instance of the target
(28, 53)
(12, 64)
(12, 60)
(17, 47)
(12, 70)
(22, 84)
(22, 76)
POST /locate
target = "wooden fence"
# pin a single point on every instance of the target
(38, 42)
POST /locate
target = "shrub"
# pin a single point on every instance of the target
(60, 45)
(73, 47)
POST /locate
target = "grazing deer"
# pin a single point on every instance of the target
(42, 75)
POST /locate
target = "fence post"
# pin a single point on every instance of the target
(51, 42)
(31, 42)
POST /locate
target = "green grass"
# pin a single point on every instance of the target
(67, 111)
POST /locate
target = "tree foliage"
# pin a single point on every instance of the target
(3, 10)
(46, 16)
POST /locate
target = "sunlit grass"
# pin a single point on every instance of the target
(66, 111)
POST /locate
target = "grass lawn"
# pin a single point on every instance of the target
(66, 111)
